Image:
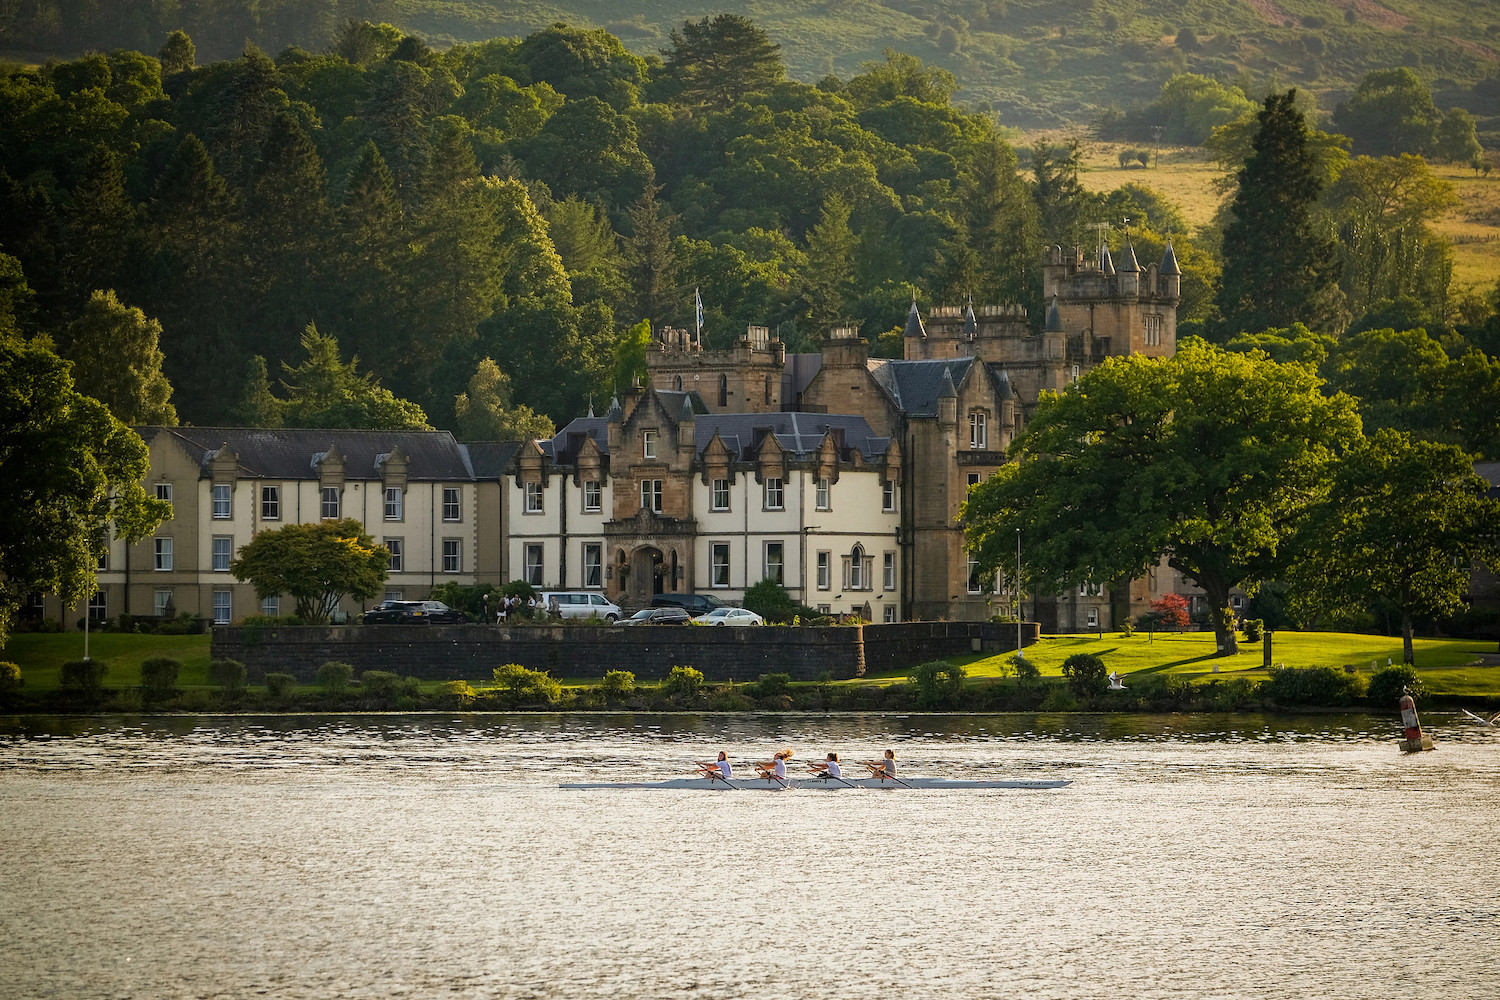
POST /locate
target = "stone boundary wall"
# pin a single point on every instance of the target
(454, 652)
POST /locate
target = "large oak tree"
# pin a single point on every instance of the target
(1208, 458)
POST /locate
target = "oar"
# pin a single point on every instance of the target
(878, 771)
(825, 776)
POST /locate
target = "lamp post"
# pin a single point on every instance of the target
(1019, 654)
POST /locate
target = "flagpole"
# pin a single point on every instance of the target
(698, 317)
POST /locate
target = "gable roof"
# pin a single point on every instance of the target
(915, 386)
(490, 459)
(291, 452)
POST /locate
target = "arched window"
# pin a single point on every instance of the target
(677, 383)
(723, 390)
(768, 390)
(857, 569)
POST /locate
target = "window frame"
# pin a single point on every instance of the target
(779, 562)
(453, 555)
(887, 496)
(713, 497)
(888, 572)
(394, 503)
(593, 565)
(651, 495)
(718, 565)
(222, 500)
(396, 563)
(823, 494)
(215, 563)
(330, 498)
(825, 569)
(161, 600)
(162, 550)
(271, 606)
(453, 500)
(534, 570)
(979, 433)
(227, 604)
(593, 496)
(535, 500)
(164, 492)
(974, 583)
(776, 486)
(648, 444)
(270, 503)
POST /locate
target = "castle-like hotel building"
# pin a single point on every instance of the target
(838, 474)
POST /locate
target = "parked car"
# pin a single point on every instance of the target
(657, 616)
(390, 612)
(730, 616)
(693, 604)
(435, 613)
(580, 604)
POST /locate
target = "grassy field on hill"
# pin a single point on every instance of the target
(1187, 175)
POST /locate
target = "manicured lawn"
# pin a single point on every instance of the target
(41, 656)
(1446, 665)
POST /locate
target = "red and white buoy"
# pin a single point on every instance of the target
(1415, 739)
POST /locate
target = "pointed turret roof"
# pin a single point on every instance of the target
(914, 327)
(615, 411)
(1054, 318)
(947, 390)
(1169, 261)
(685, 411)
(1128, 263)
(971, 326)
(1106, 262)
(1004, 385)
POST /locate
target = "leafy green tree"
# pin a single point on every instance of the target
(630, 354)
(1207, 458)
(318, 565)
(1278, 270)
(901, 75)
(98, 224)
(1404, 521)
(70, 477)
(326, 391)
(1383, 207)
(178, 54)
(998, 229)
(589, 248)
(486, 412)
(583, 62)
(1064, 207)
(1232, 145)
(1457, 137)
(117, 360)
(718, 60)
(1390, 113)
(1288, 345)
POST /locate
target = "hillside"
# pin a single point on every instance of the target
(1037, 63)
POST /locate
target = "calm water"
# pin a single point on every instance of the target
(405, 856)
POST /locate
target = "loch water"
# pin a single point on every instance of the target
(435, 856)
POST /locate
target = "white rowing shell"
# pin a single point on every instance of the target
(820, 784)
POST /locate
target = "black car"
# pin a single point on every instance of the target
(693, 604)
(390, 612)
(657, 616)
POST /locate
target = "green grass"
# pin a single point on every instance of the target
(1447, 666)
(41, 656)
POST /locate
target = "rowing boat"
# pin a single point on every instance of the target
(822, 784)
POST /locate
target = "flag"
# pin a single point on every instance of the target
(698, 302)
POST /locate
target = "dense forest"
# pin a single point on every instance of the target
(1038, 63)
(485, 226)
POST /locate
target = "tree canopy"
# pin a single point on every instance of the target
(316, 564)
(1208, 459)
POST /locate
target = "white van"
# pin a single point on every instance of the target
(581, 604)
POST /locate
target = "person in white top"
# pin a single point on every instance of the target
(775, 768)
(717, 770)
(828, 768)
(883, 769)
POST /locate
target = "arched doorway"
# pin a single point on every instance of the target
(645, 574)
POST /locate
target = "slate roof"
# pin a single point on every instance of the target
(1128, 262)
(563, 448)
(914, 386)
(1169, 261)
(290, 452)
(799, 434)
(490, 459)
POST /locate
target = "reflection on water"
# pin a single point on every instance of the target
(417, 856)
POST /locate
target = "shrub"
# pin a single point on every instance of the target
(1127, 629)
(730, 701)
(281, 686)
(159, 677)
(1313, 686)
(459, 693)
(1085, 673)
(381, 685)
(774, 686)
(10, 681)
(228, 674)
(1385, 687)
(522, 684)
(771, 601)
(1253, 627)
(1024, 669)
(683, 681)
(938, 682)
(83, 678)
(334, 677)
(616, 685)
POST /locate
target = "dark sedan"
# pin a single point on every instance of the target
(413, 613)
(390, 612)
(657, 616)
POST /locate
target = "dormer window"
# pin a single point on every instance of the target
(823, 494)
(648, 444)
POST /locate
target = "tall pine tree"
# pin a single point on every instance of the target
(1278, 269)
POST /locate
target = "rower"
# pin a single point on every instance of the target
(883, 769)
(718, 770)
(775, 768)
(828, 768)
